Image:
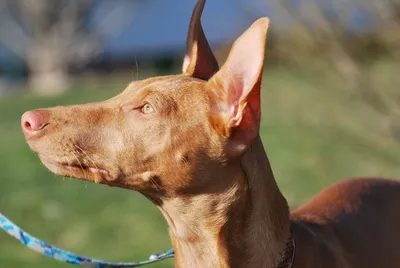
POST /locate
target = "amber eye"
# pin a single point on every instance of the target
(147, 109)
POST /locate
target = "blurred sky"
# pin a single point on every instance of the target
(156, 28)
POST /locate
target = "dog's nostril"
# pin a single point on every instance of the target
(27, 125)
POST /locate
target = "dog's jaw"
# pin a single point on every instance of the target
(80, 171)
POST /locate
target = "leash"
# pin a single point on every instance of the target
(72, 258)
(68, 257)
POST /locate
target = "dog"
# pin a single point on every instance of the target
(190, 143)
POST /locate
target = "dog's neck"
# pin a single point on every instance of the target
(244, 225)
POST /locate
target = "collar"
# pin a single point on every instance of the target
(289, 253)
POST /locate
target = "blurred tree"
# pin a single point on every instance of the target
(48, 35)
(326, 27)
(340, 36)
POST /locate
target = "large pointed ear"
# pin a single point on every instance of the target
(237, 88)
(199, 60)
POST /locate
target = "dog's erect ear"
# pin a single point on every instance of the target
(237, 87)
(199, 60)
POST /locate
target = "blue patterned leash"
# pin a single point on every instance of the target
(68, 257)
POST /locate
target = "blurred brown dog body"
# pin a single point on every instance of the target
(190, 143)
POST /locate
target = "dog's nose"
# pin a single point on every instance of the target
(34, 121)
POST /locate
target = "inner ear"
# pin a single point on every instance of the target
(237, 87)
(199, 61)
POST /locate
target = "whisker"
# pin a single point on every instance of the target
(77, 159)
(154, 184)
(88, 157)
(88, 152)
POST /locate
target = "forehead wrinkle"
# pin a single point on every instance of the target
(165, 101)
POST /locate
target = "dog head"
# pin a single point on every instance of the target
(163, 135)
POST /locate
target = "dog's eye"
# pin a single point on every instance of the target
(147, 109)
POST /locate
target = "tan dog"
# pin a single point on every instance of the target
(190, 143)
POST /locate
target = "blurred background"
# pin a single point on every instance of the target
(331, 102)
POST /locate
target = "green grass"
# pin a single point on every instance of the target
(314, 130)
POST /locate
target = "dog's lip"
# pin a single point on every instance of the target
(75, 166)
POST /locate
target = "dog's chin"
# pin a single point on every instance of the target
(81, 172)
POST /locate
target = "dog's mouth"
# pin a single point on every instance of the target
(82, 171)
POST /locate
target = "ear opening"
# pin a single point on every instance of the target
(199, 60)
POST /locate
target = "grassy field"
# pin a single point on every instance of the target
(315, 132)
